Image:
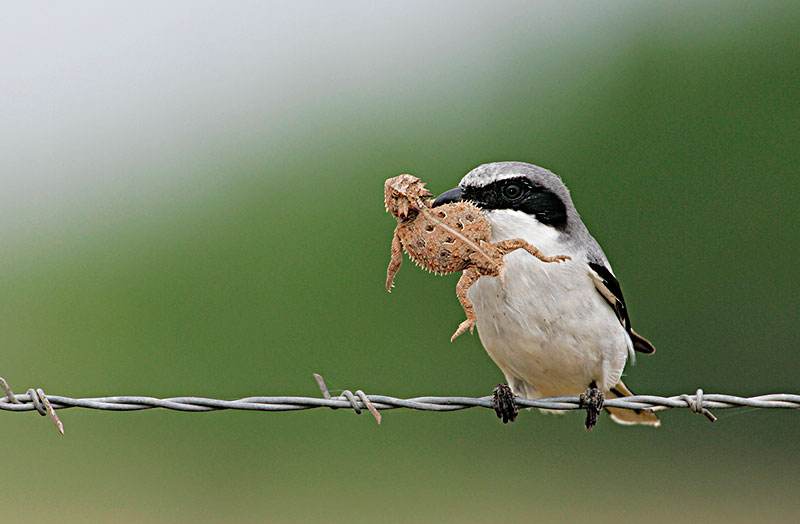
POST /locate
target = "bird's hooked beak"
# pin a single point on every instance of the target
(448, 197)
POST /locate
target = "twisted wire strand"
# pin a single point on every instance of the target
(701, 403)
(25, 402)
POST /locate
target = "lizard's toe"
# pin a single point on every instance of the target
(462, 328)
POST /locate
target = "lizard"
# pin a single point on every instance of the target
(446, 239)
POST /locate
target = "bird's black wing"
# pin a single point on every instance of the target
(608, 286)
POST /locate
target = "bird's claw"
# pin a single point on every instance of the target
(503, 403)
(592, 399)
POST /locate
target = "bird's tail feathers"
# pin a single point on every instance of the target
(641, 344)
(630, 417)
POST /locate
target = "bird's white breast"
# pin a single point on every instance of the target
(544, 324)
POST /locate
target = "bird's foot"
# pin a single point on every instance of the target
(503, 403)
(462, 328)
(593, 401)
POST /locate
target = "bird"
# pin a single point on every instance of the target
(552, 329)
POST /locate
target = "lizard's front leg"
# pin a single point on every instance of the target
(507, 246)
(468, 277)
(395, 262)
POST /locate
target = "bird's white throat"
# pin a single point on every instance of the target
(508, 223)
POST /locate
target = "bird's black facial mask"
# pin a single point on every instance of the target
(519, 194)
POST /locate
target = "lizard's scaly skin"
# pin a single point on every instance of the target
(448, 238)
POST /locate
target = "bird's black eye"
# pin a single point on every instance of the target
(512, 191)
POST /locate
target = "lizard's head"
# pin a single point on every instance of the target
(404, 194)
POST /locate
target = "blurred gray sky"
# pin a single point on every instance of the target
(128, 106)
(111, 104)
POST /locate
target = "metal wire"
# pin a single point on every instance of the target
(24, 402)
(36, 400)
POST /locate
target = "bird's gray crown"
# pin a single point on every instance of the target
(487, 174)
(522, 187)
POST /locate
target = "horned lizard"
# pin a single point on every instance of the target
(449, 238)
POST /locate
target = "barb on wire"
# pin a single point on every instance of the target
(38, 401)
(702, 403)
(323, 387)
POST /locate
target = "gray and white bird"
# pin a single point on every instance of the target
(552, 329)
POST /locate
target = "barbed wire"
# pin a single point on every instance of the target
(702, 403)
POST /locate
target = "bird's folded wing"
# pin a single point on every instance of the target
(608, 286)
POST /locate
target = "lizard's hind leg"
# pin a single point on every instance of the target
(507, 246)
(468, 277)
(395, 262)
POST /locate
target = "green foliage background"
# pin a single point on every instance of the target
(254, 254)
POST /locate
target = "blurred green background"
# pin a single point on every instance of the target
(192, 205)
